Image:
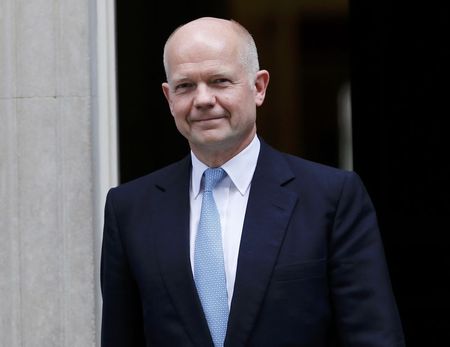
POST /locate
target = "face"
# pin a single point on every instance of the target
(211, 95)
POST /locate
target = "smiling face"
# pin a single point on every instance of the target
(212, 94)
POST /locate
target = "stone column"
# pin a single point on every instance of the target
(48, 248)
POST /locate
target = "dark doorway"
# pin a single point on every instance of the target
(324, 73)
(148, 139)
(400, 72)
(306, 52)
(399, 58)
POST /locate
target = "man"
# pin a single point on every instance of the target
(280, 252)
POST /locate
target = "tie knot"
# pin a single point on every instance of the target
(212, 176)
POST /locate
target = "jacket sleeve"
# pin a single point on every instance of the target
(122, 323)
(366, 312)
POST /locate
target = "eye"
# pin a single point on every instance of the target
(183, 86)
(221, 81)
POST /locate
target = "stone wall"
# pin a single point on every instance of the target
(48, 285)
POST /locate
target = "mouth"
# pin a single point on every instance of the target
(207, 119)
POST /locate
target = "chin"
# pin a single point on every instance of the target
(211, 137)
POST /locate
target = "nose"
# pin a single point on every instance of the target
(204, 97)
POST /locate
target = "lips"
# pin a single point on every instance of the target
(207, 118)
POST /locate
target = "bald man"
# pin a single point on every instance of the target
(292, 254)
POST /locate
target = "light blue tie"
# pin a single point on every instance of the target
(209, 268)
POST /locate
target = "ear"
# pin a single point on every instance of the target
(261, 83)
(166, 91)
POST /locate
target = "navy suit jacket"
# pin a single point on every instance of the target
(311, 269)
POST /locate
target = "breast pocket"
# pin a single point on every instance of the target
(300, 271)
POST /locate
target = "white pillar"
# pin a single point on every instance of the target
(55, 167)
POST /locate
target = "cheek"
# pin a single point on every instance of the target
(182, 126)
(231, 101)
(180, 108)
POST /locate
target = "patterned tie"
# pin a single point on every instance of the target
(209, 268)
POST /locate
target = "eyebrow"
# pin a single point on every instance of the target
(222, 73)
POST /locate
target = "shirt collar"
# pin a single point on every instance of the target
(239, 169)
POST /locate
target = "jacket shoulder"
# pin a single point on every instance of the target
(304, 168)
(154, 180)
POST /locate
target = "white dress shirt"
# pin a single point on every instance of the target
(231, 196)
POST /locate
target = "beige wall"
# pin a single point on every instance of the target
(48, 247)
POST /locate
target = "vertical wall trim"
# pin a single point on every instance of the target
(104, 116)
(345, 128)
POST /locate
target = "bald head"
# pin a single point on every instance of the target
(220, 30)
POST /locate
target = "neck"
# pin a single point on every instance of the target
(216, 156)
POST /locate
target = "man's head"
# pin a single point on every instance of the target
(248, 51)
(214, 86)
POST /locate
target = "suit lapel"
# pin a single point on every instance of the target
(268, 212)
(172, 230)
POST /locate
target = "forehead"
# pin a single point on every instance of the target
(200, 60)
(205, 69)
(196, 51)
(197, 43)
